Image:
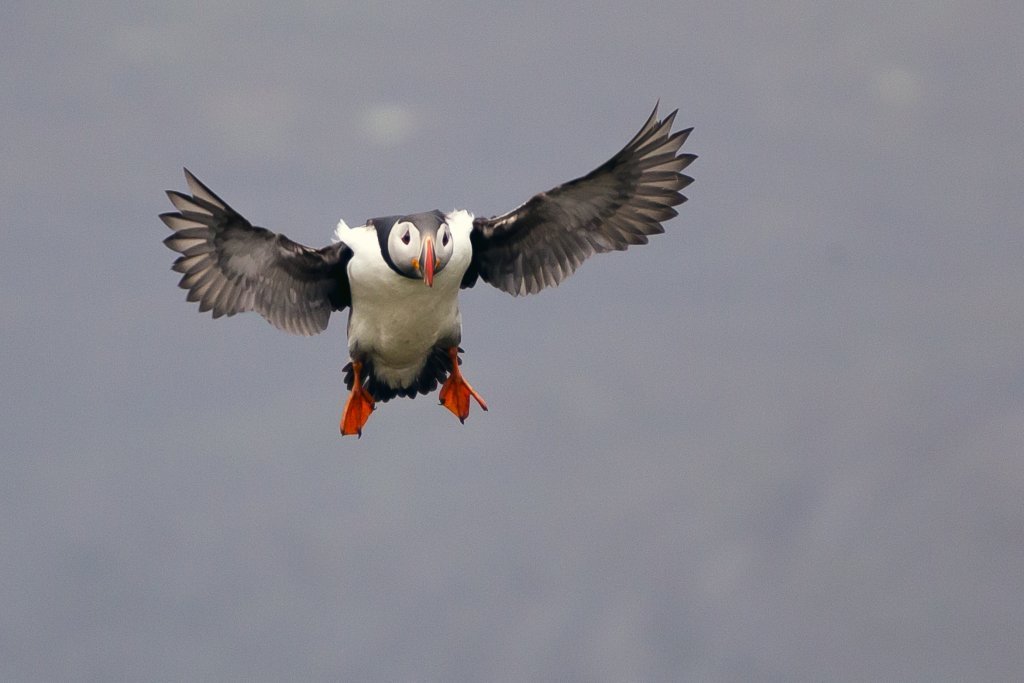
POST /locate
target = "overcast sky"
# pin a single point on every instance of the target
(785, 441)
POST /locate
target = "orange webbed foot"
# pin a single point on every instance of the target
(456, 391)
(358, 406)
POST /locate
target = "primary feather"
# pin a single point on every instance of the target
(230, 266)
(543, 241)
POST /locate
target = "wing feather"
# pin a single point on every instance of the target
(229, 266)
(622, 202)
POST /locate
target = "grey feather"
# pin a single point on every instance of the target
(622, 202)
(230, 266)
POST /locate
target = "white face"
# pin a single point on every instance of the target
(404, 245)
(443, 246)
(407, 248)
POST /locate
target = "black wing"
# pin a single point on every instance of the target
(230, 266)
(545, 240)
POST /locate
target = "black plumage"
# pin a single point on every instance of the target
(435, 370)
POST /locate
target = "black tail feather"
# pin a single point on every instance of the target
(434, 372)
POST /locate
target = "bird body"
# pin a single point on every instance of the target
(400, 276)
(397, 321)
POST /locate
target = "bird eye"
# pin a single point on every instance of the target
(406, 237)
(444, 238)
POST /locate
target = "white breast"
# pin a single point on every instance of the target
(398, 320)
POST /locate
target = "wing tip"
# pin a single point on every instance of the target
(201, 191)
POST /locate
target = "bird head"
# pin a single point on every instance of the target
(416, 246)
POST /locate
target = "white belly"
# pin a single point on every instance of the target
(399, 323)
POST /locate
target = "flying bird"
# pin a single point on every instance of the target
(400, 275)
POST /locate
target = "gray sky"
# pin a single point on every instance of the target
(784, 442)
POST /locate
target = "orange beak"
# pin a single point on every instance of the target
(428, 261)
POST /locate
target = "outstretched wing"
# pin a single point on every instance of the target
(545, 240)
(229, 266)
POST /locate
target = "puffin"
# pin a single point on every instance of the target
(400, 276)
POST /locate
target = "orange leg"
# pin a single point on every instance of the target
(456, 391)
(358, 406)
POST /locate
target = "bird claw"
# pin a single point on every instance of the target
(358, 406)
(456, 391)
